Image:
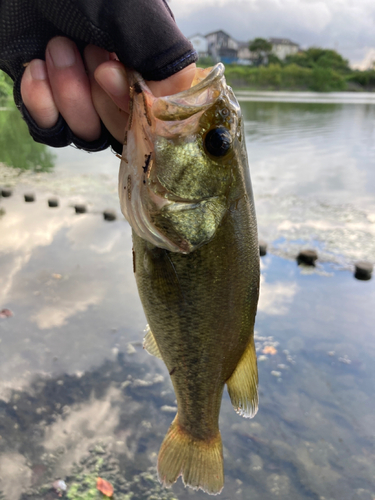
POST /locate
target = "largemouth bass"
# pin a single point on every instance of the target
(185, 188)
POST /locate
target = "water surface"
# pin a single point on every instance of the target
(313, 172)
(78, 395)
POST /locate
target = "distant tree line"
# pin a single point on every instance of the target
(317, 69)
(312, 69)
(289, 77)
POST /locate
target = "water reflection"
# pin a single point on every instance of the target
(276, 297)
(17, 148)
(79, 397)
(77, 387)
(306, 97)
(55, 275)
(313, 176)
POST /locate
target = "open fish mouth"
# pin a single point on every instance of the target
(144, 199)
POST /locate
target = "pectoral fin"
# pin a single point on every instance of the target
(149, 343)
(243, 383)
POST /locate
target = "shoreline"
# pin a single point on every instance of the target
(304, 96)
(244, 88)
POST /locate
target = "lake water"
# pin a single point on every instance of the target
(79, 398)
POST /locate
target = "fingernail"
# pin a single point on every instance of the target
(62, 53)
(38, 70)
(113, 80)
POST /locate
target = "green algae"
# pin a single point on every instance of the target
(84, 489)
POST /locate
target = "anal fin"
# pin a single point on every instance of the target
(149, 343)
(243, 383)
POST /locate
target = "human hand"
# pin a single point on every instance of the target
(85, 92)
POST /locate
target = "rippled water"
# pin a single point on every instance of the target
(80, 398)
(313, 172)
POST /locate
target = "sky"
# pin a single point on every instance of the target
(347, 26)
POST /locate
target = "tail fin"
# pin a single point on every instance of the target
(200, 463)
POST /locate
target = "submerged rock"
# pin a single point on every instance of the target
(262, 248)
(5, 193)
(53, 202)
(29, 197)
(307, 257)
(363, 270)
(80, 209)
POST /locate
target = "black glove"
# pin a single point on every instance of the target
(141, 32)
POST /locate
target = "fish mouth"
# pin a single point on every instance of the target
(205, 89)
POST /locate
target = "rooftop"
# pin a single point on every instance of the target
(282, 41)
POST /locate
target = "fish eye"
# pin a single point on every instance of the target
(218, 141)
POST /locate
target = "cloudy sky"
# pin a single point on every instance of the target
(345, 25)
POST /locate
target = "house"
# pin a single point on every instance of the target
(222, 47)
(244, 55)
(200, 44)
(283, 47)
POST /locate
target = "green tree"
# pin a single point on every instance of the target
(316, 57)
(273, 59)
(17, 149)
(261, 47)
(365, 79)
(5, 88)
(326, 80)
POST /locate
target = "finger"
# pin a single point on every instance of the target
(112, 78)
(37, 94)
(71, 88)
(176, 83)
(110, 108)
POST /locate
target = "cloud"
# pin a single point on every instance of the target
(86, 424)
(52, 316)
(100, 239)
(276, 298)
(367, 62)
(22, 234)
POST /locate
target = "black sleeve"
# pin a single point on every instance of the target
(143, 34)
